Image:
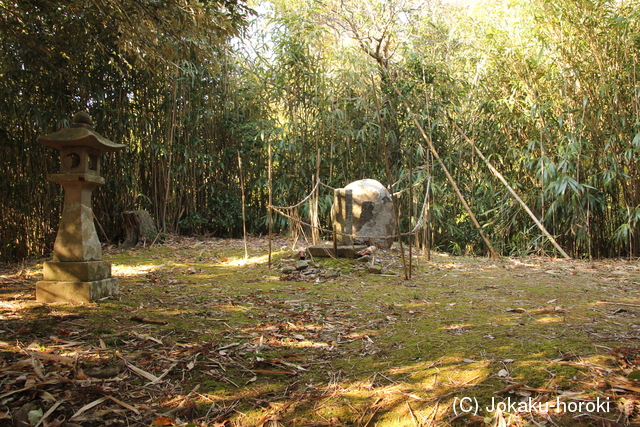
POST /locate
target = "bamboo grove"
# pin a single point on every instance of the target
(202, 91)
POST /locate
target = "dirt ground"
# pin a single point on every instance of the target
(200, 335)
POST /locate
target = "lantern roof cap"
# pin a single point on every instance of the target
(79, 134)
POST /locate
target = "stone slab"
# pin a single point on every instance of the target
(343, 251)
(87, 271)
(48, 291)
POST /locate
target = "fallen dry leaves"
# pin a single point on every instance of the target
(73, 379)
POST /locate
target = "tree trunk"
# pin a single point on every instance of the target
(137, 229)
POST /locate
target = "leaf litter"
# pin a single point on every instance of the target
(200, 336)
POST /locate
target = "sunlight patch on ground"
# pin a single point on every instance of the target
(530, 263)
(550, 319)
(457, 327)
(9, 306)
(133, 270)
(241, 262)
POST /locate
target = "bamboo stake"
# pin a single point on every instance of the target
(427, 213)
(410, 208)
(270, 213)
(244, 219)
(171, 135)
(452, 181)
(393, 197)
(315, 221)
(511, 190)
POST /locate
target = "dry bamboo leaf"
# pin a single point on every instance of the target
(49, 412)
(162, 421)
(163, 374)
(291, 365)
(235, 344)
(9, 393)
(272, 372)
(124, 405)
(47, 397)
(64, 343)
(18, 366)
(142, 372)
(147, 337)
(624, 384)
(37, 368)
(54, 357)
(88, 406)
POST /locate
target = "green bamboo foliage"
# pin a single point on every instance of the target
(547, 89)
(161, 99)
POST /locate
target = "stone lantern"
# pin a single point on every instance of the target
(77, 273)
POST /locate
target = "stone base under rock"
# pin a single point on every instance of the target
(349, 251)
(48, 291)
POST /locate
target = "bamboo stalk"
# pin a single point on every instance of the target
(512, 191)
(244, 218)
(270, 212)
(388, 167)
(452, 181)
(315, 220)
(410, 208)
(427, 213)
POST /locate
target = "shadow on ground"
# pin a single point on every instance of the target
(202, 336)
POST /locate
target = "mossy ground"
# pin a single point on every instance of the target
(358, 350)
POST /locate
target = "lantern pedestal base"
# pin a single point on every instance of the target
(76, 282)
(79, 271)
(48, 291)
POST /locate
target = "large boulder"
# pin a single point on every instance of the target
(363, 210)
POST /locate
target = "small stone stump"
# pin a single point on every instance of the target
(364, 209)
(77, 273)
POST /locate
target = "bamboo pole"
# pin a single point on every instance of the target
(427, 219)
(452, 181)
(511, 190)
(410, 208)
(244, 218)
(270, 213)
(315, 220)
(388, 167)
(427, 214)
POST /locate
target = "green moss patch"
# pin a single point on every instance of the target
(229, 342)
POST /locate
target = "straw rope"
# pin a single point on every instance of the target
(281, 210)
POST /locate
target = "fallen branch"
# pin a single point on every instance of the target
(149, 321)
(509, 388)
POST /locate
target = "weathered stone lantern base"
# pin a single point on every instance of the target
(76, 282)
